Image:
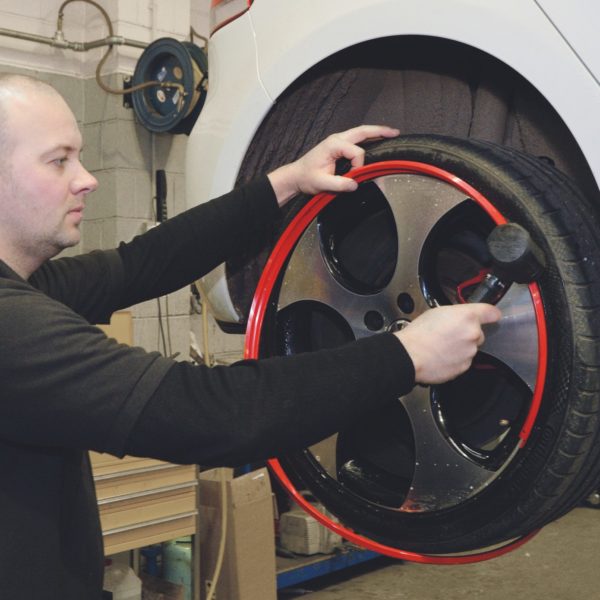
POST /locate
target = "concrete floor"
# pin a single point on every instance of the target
(561, 563)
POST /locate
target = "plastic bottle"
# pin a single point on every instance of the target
(177, 563)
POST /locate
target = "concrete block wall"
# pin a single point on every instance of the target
(117, 150)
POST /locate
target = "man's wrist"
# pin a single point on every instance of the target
(283, 181)
(405, 340)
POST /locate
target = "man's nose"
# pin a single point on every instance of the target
(84, 182)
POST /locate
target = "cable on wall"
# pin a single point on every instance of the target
(60, 36)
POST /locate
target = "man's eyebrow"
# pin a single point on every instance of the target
(63, 148)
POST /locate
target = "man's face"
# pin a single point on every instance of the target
(43, 185)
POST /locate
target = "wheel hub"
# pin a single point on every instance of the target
(398, 325)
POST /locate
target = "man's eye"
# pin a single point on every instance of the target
(59, 162)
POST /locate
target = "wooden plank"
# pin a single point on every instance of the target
(147, 534)
(133, 511)
(144, 480)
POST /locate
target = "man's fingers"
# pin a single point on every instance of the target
(358, 160)
(487, 313)
(348, 139)
(337, 184)
(368, 132)
(355, 154)
(443, 341)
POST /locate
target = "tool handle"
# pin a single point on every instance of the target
(489, 290)
(516, 258)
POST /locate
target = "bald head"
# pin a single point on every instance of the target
(17, 89)
(16, 81)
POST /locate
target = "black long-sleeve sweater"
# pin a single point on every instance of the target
(66, 388)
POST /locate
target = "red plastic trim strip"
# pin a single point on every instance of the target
(214, 3)
(260, 302)
(360, 540)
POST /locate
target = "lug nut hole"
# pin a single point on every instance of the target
(373, 320)
(405, 303)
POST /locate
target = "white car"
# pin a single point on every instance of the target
(498, 103)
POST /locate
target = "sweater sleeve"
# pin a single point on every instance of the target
(254, 410)
(188, 246)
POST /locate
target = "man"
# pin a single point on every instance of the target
(66, 388)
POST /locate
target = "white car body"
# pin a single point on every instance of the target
(252, 60)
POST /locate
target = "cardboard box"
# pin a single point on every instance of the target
(120, 327)
(301, 533)
(248, 571)
(325, 453)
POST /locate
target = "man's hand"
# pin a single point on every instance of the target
(315, 171)
(443, 341)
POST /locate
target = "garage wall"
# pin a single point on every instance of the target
(118, 151)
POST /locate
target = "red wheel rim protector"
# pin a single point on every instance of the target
(258, 309)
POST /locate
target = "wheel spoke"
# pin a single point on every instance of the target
(418, 203)
(443, 476)
(513, 341)
(308, 277)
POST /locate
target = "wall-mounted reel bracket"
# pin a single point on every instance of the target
(168, 86)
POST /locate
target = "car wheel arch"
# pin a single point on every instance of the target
(444, 92)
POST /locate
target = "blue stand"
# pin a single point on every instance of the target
(312, 567)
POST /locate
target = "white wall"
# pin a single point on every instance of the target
(141, 20)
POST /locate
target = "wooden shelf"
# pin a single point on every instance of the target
(144, 501)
